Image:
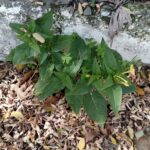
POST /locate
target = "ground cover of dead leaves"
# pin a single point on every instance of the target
(28, 124)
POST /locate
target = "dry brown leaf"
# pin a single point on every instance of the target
(130, 132)
(89, 134)
(113, 140)
(7, 137)
(120, 17)
(80, 10)
(81, 144)
(26, 77)
(140, 91)
(17, 114)
(98, 8)
(6, 115)
(84, 4)
(50, 100)
(131, 148)
(46, 147)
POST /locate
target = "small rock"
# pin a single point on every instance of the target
(87, 11)
(105, 13)
(143, 143)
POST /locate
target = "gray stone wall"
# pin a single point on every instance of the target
(134, 42)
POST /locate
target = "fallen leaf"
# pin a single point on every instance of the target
(84, 4)
(6, 115)
(132, 72)
(130, 132)
(81, 144)
(20, 67)
(46, 147)
(131, 148)
(140, 91)
(17, 114)
(119, 18)
(49, 109)
(80, 10)
(38, 37)
(50, 100)
(113, 140)
(26, 77)
(89, 134)
(98, 7)
(7, 137)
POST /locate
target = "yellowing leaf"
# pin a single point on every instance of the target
(113, 140)
(130, 132)
(132, 72)
(132, 69)
(38, 37)
(140, 91)
(19, 67)
(81, 144)
(46, 147)
(17, 114)
(6, 115)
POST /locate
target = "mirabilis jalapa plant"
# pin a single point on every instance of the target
(91, 75)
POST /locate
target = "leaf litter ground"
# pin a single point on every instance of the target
(28, 124)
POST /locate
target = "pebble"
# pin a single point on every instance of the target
(87, 11)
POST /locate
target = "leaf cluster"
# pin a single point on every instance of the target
(91, 74)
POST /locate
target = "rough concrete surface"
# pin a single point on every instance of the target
(128, 45)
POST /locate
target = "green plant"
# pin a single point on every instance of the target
(92, 75)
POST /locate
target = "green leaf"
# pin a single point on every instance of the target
(47, 87)
(114, 95)
(42, 57)
(75, 67)
(22, 54)
(17, 27)
(45, 23)
(65, 79)
(61, 43)
(110, 61)
(10, 56)
(30, 41)
(46, 70)
(74, 101)
(102, 48)
(128, 89)
(31, 26)
(57, 60)
(96, 67)
(81, 88)
(78, 48)
(33, 44)
(103, 84)
(66, 58)
(96, 107)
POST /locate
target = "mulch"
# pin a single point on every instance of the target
(29, 124)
